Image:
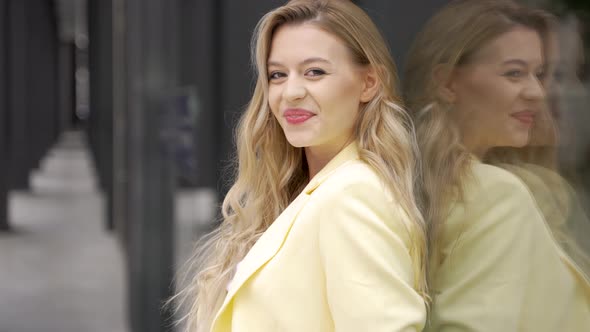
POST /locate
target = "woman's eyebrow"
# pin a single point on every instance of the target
(515, 62)
(304, 62)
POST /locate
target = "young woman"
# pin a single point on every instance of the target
(321, 231)
(473, 79)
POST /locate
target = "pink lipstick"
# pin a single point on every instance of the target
(297, 115)
(525, 117)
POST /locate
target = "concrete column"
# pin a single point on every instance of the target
(4, 166)
(19, 145)
(120, 119)
(41, 75)
(152, 53)
(101, 96)
(200, 63)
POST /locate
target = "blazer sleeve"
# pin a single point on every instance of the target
(482, 283)
(367, 266)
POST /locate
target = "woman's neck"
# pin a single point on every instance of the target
(318, 157)
(477, 149)
(479, 153)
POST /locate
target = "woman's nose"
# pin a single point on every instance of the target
(294, 89)
(534, 89)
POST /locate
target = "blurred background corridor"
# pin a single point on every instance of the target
(60, 270)
(116, 122)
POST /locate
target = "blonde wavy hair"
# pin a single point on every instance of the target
(270, 172)
(448, 40)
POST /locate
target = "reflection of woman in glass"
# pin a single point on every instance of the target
(473, 79)
(321, 218)
(539, 165)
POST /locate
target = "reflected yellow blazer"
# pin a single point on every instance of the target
(501, 269)
(335, 260)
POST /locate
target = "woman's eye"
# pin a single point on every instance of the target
(315, 72)
(275, 75)
(514, 73)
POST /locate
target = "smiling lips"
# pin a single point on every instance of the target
(525, 117)
(297, 115)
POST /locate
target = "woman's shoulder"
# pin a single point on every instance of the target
(494, 197)
(354, 197)
(356, 174)
(357, 185)
(490, 174)
(488, 180)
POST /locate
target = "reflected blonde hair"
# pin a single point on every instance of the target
(451, 38)
(270, 172)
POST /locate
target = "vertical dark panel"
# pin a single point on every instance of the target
(119, 123)
(41, 79)
(4, 223)
(199, 58)
(101, 96)
(54, 122)
(400, 21)
(19, 145)
(65, 85)
(151, 68)
(93, 125)
(239, 19)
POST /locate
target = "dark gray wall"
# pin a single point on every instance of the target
(18, 98)
(32, 89)
(4, 225)
(100, 127)
(152, 53)
(399, 21)
(239, 19)
(215, 60)
(41, 74)
(200, 63)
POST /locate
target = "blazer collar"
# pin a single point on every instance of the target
(350, 152)
(273, 238)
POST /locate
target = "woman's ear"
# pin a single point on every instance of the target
(371, 84)
(443, 76)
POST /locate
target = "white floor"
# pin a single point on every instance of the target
(60, 271)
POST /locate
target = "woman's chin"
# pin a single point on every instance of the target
(298, 142)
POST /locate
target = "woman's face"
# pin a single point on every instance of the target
(497, 94)
(315, 89)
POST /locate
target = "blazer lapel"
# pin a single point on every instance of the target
(273, 238)
(263, 250)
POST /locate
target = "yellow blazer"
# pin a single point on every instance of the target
(501, 269)
(335, 260)
(562, 209)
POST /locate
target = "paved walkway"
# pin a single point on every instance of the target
(59, 270)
